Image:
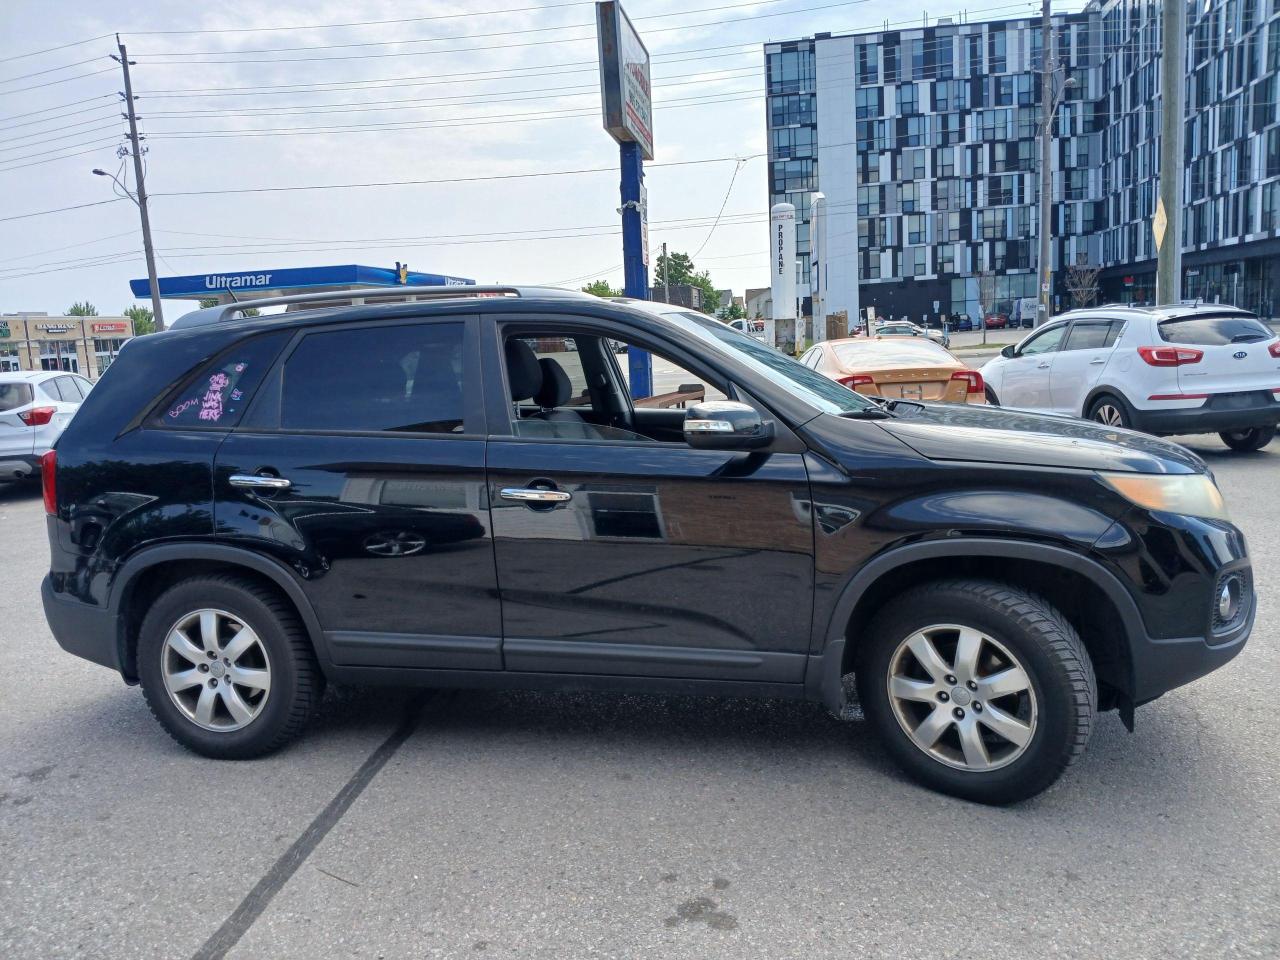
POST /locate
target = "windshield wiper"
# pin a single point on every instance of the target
(1247, 338)
(875, 413)
(893, 404)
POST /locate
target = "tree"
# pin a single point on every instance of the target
(601, 288)
(682, 271)
(1082, 282)
(986, 297)
(79, 309)
(143, 321)
(733, 311)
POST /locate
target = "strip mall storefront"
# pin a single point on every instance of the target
(83, 345)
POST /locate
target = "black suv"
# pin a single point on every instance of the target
(462, 491)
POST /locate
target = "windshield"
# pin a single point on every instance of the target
(812, 387)
(14, 395)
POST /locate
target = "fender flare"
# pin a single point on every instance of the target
(273, 570)
(824, 677)
(1098, 391)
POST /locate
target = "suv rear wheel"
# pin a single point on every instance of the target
(1246, 441)
(978, 689)
(1109, 411)
(227, 668)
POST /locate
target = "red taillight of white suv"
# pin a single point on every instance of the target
(1170, 356)
(37, 416)
(48, 480)
(1274, 349)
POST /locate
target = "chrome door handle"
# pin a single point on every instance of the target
(1098, 360)
(259, 483)
(1043, 366)
(532, 495)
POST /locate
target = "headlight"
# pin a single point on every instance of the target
(1193, 494)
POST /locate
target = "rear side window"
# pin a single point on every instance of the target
(1214, 331)
(403, 379)
(220, 392)
(63, 389)
(14, 395)
(1092, 335)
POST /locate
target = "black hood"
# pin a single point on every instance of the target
(998, 435)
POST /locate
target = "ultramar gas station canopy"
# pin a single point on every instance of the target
(227, 286)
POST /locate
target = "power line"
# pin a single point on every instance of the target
(62, 46)
(73, 103)
(53, 83)
(725, 202)
(41, 213)
(40, 73)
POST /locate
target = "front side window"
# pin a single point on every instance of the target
(403, 379)
(1044, 342)
(219, 393)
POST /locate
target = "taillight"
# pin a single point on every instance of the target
(973, 378)
(857, 380)
(1170, 356)
(37, 416)
(48, 475)
(1274, 349)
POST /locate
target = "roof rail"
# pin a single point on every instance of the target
(229, 311)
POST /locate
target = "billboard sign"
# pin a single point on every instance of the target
(624, 79)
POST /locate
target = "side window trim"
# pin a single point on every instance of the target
(155, 417)
(1039, 335)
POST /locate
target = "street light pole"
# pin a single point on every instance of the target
(141, 198)
(1167, 225)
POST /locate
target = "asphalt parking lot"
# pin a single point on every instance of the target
(517, 825)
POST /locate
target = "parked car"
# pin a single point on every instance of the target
(1163, 370)
(753, 328)
(962, 322)
(995, 321)
(903, 328)
(246, 507)
(35, 407)
(897, 368)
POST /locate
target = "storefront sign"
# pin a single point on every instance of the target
(4, 329)
(54, 327)
(111, 327)
(624, 79)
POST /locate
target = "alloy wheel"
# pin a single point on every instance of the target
(216, 670)
(1109, 414)
(962, 697)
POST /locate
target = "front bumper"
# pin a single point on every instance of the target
(1159, 666)
(1219, 413)
(80, 628)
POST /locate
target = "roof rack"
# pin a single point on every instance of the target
(229, 311)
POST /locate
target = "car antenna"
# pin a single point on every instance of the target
(232, 294)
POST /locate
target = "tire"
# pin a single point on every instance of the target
(1053, 710)
(992, 399)
(243, 719)
(1110, 411)
(1247, 441)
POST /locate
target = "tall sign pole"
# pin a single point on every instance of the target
(1047, 109)
(135, 145)
(818, 264)
(1167, 225)
(628, 115)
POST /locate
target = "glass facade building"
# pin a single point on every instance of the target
(939, 164)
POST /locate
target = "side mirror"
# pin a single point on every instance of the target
(1008, 352)
(726, 425)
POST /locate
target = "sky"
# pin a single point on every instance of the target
(453, 93)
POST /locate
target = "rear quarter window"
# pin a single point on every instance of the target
(217, 396)
(14, 395)
(1214, 331)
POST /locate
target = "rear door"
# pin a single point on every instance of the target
(361, 467)
(1080, 362)
(1235, 353)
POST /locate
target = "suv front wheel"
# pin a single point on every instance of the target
(978, 689)
(227, 668)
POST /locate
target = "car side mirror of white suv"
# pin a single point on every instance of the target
(1008, 352)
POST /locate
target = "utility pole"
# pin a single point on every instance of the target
(148, 250)
(1047, 108)
(666, 275)
(1167, 225)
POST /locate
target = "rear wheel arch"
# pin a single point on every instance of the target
(1091, 598)
(148, 574)
(1105, 391)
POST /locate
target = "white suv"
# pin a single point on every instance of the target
(1165, 370)
(34, 410)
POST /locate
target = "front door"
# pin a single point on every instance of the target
(1026, 375)
(361, 466)
(620, 549)
(1080, 361)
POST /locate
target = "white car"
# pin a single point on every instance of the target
(35, 407)
(1164, 370)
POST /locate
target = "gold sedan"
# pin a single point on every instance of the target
(897, 368)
